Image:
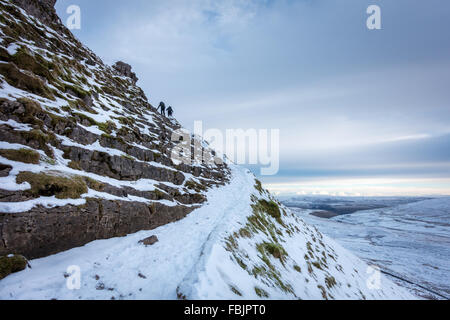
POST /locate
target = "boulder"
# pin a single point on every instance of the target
(149, 241)
(11, 264)
(124, 69)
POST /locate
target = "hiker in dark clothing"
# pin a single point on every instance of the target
(162, 106)
(170, 111)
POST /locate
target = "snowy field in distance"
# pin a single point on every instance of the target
(411, 241)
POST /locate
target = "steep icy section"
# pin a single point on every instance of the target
(83, 154)
(236, 246)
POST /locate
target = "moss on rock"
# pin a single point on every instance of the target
(11, 264)
(75, 165)
(21, 155)
(84, 118)
(53, 185)
(35, 64)
(107, 127)
(197, 187)
(94, 184)
(40, 139)
(24, 81)
(76, 90)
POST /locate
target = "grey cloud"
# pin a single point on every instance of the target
(338, 91)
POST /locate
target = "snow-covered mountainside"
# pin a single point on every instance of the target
(86, 174)
(83, 154)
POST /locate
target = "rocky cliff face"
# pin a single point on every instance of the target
(83, 154)
(125, 70)
(43, 10)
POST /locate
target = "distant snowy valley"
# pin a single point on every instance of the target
(408, 238)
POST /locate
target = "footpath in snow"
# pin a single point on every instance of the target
(213, 253)
(121, 268)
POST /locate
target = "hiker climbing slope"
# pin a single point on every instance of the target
(162, 106)
(170, 111)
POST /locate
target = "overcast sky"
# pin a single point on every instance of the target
(360, 111)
